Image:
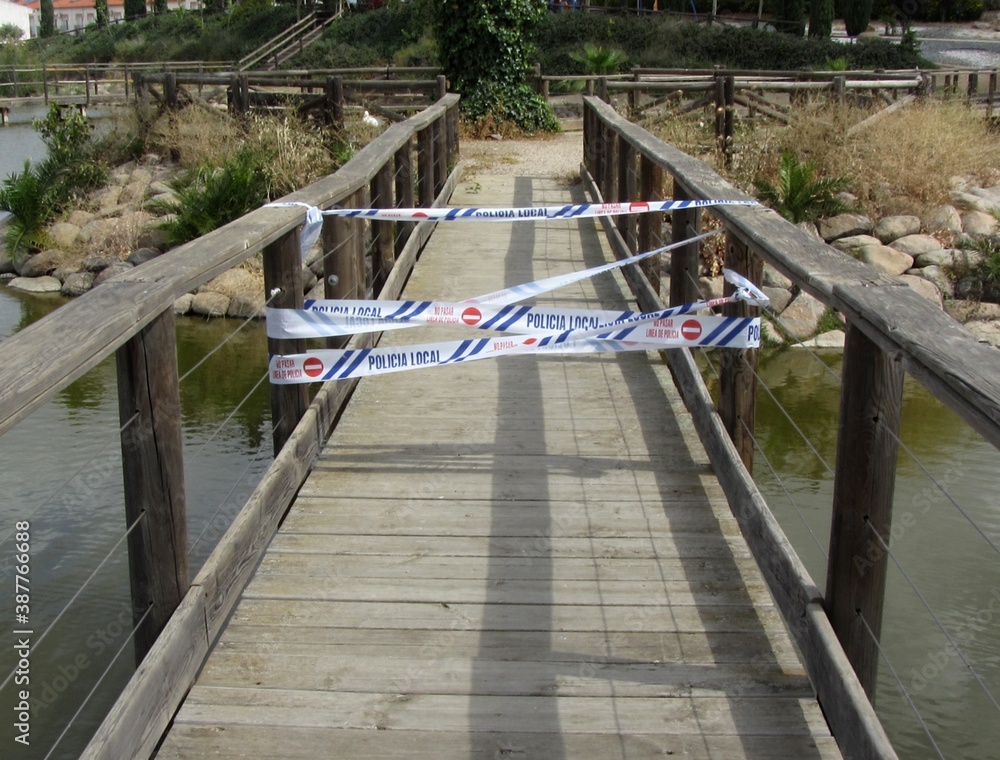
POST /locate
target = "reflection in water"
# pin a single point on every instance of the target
(62, 472)
(951, 563)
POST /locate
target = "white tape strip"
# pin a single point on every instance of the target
(648, 334)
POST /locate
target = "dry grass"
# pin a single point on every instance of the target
(902, 163)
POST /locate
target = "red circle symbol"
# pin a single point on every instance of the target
(420, 215)
(312, 367)
(530, 341)
(472, 315)
(691, 330)
(638, 207)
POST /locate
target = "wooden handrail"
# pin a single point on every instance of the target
(890, 329)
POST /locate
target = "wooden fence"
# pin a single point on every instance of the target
(890, 330)
(132, 316)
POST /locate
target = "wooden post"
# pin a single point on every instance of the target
(442, 86)
(633, 95)
(839, 85)
(684, 264)
(334, 91)
(602, 90)
(425, 166)
(383, 252)
(45, 84)
(283, 272)
(628, 190)
(404, 191)
(610, 188)
(170, 90)
(720, 108)
(729, 119)
(440, 155)
(86, 85)
(972, 91)
(589, 86)
(343, 245)
(870, 404)
(991, 94)
(737, 378)
(13, 76)
(153, 471)
(648, 234)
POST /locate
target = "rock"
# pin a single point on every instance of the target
(938, 277)
(885, 259)
(45, 284)
(115, 269)
(775, 279)
(142, 255)
(140, 175)
(63, 234)
(943, 219)
(309, 279)
(153, 237)
(209, 304)
(846, 198)
(985, 332)
(182, 305)
(844, 225)
(948, 257)
(95, 262)
(157, 187)
(6, 262)
(770, 334)
(79, 217)
(247, 305)
(42, 263)
(924, 287)
(133, 193)
(106, 198)
(869, 250)
(711, 287)
(969, 311)
(892, 228)
(780, 298)
(810, 229)
(917, 244)
(77, 283)
(801, 317)
(978, 223)
(62, 272)
(97, 231)
(988, 197)
(232, 282)
(160, 202)
(19, 259)
(832, 339)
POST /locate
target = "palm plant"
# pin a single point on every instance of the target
(596, 60)
(31, 198)
(799, 196)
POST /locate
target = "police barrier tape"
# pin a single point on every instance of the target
(314, 216)
(650, 333)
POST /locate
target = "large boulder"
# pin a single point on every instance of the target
(111, 271)
(233, 282)
(779, 298)
(6, 262)
(924, 287)
(943, 219)
(938, 277)
(844, 225)
(142, 255)
(95, 262)
(80, 218)
(801, 317)
(891, 228)
(77, 283)
(869, 250)
(970, 311)
(42, 263)
(775, 279)
(985, 332)
(915, 245)
(831, 339)
(45, 284)
(978, 223)
(247, 305)
(153, 237)
(209, 304)
(182, 305)
(63, 234)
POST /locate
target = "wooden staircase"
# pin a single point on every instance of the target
(290, 42)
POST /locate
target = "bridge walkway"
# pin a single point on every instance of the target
(528, 558)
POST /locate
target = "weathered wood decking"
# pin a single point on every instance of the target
(526, 558)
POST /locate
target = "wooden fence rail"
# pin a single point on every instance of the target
(132, 317)
(891, 330)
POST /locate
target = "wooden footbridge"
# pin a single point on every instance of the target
(544, 557)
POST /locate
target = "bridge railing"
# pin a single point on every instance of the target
(132, 317)
(890, 331)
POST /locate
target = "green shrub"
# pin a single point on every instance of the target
(30, 197)
(213, 196)
(799, 196)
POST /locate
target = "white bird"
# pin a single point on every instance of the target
(370, 120)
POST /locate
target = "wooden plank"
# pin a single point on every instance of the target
(187, 741)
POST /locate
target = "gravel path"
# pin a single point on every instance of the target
(558, 156)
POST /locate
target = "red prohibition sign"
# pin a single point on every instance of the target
(691, 330)
(312, 367)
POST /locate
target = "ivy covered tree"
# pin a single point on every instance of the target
(792, 17)
(101, 13)
(820, 19)
(47, 19)
(857, 14)
(485, 49)
(160, 7)
(135, 9)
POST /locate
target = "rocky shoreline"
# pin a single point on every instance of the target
(116, 228)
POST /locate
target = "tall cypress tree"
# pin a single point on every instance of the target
(857, 14)
(101, 13)
(47, 20)
(820, 19)
(792, 17)
(159, 7)
(485, 48)
(135, 9)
